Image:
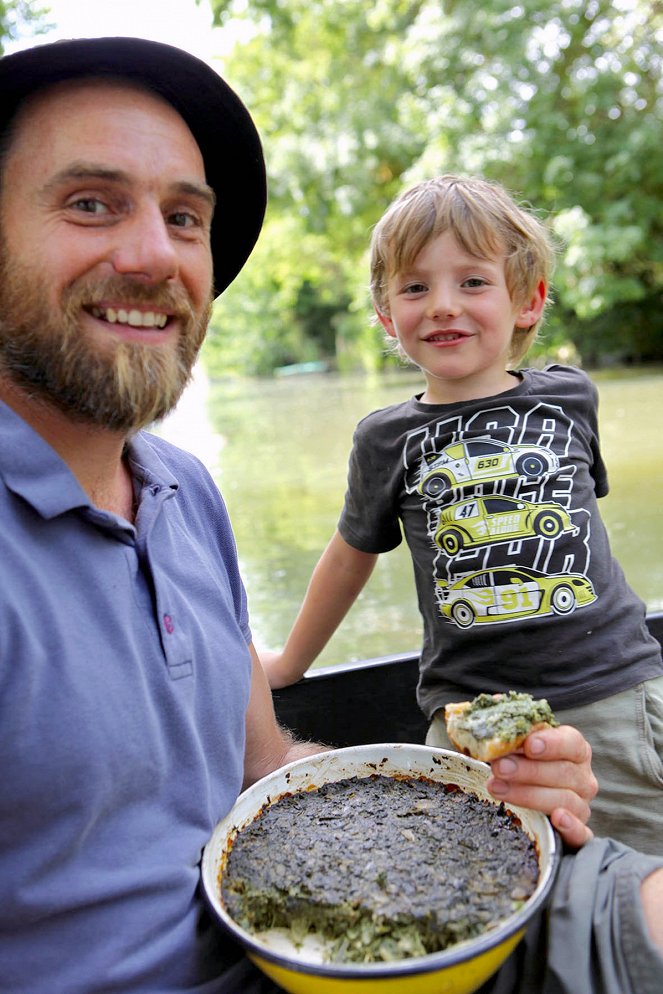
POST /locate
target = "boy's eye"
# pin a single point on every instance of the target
(472, 282)
(415, 288)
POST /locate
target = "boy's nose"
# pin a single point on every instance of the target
(443, 303)
(145, 248)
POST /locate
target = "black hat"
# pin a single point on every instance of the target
(219, 121)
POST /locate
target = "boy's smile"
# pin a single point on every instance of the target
(453, 316)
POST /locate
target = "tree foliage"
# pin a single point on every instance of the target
(21, 17)
(559, 100)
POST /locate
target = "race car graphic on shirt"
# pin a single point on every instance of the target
(488, 520)
(509, 593)
(497, 491)
(483, 459)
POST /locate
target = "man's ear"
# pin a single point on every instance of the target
(386, 323)
(531, 311)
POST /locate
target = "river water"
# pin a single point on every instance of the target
(278, 450)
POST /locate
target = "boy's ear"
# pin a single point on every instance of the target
(386, 323)
(531, 311)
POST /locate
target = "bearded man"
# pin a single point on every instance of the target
(133, 705)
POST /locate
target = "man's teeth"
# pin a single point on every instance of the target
(134, 318)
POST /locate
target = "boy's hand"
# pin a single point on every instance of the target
(270, 660)
(552, 773)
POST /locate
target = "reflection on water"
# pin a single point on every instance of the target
(189, 426)
(279, 449)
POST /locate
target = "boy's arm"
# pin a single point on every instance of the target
(337, 580)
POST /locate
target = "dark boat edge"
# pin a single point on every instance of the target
(373, 700)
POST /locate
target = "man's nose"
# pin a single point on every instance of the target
(145, 249)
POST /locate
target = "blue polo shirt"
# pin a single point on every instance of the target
(124, 681)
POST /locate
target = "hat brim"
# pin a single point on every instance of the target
(217, 118)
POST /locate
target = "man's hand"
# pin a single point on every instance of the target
(551, 773)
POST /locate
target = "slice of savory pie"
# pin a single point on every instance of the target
(493, 725)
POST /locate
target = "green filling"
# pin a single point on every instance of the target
(383, 868)
(356, 934)
(511, 715)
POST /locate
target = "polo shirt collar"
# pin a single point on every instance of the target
(33, 470)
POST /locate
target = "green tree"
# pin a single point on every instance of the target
(19, 18)
(559, 100)
(322, 93)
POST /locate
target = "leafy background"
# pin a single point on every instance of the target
(561, 101)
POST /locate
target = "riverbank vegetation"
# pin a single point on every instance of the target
(560, 100)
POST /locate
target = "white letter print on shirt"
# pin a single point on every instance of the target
(497, 491)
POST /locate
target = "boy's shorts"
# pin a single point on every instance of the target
(626, 735)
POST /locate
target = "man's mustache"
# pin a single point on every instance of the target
(124, 290)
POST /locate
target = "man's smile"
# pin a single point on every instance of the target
(133, 317)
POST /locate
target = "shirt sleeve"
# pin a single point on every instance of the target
(594, 936)
(370, 518)
(599, 471)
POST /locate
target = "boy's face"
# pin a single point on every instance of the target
(453, 316)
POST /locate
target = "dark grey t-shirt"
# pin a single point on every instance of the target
(497, 499)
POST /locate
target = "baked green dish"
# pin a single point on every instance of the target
(383, 868)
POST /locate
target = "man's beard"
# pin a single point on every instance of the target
(121, 386)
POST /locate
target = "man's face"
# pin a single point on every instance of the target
(105, 263)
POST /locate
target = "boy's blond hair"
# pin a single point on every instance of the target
(485, 221)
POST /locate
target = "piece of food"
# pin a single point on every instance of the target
(381, 868)
(493, 725)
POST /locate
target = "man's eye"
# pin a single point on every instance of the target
(89, 205)
(184, 219)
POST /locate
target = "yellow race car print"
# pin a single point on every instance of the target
(508, 593)
(480, 459)
(489, 520)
